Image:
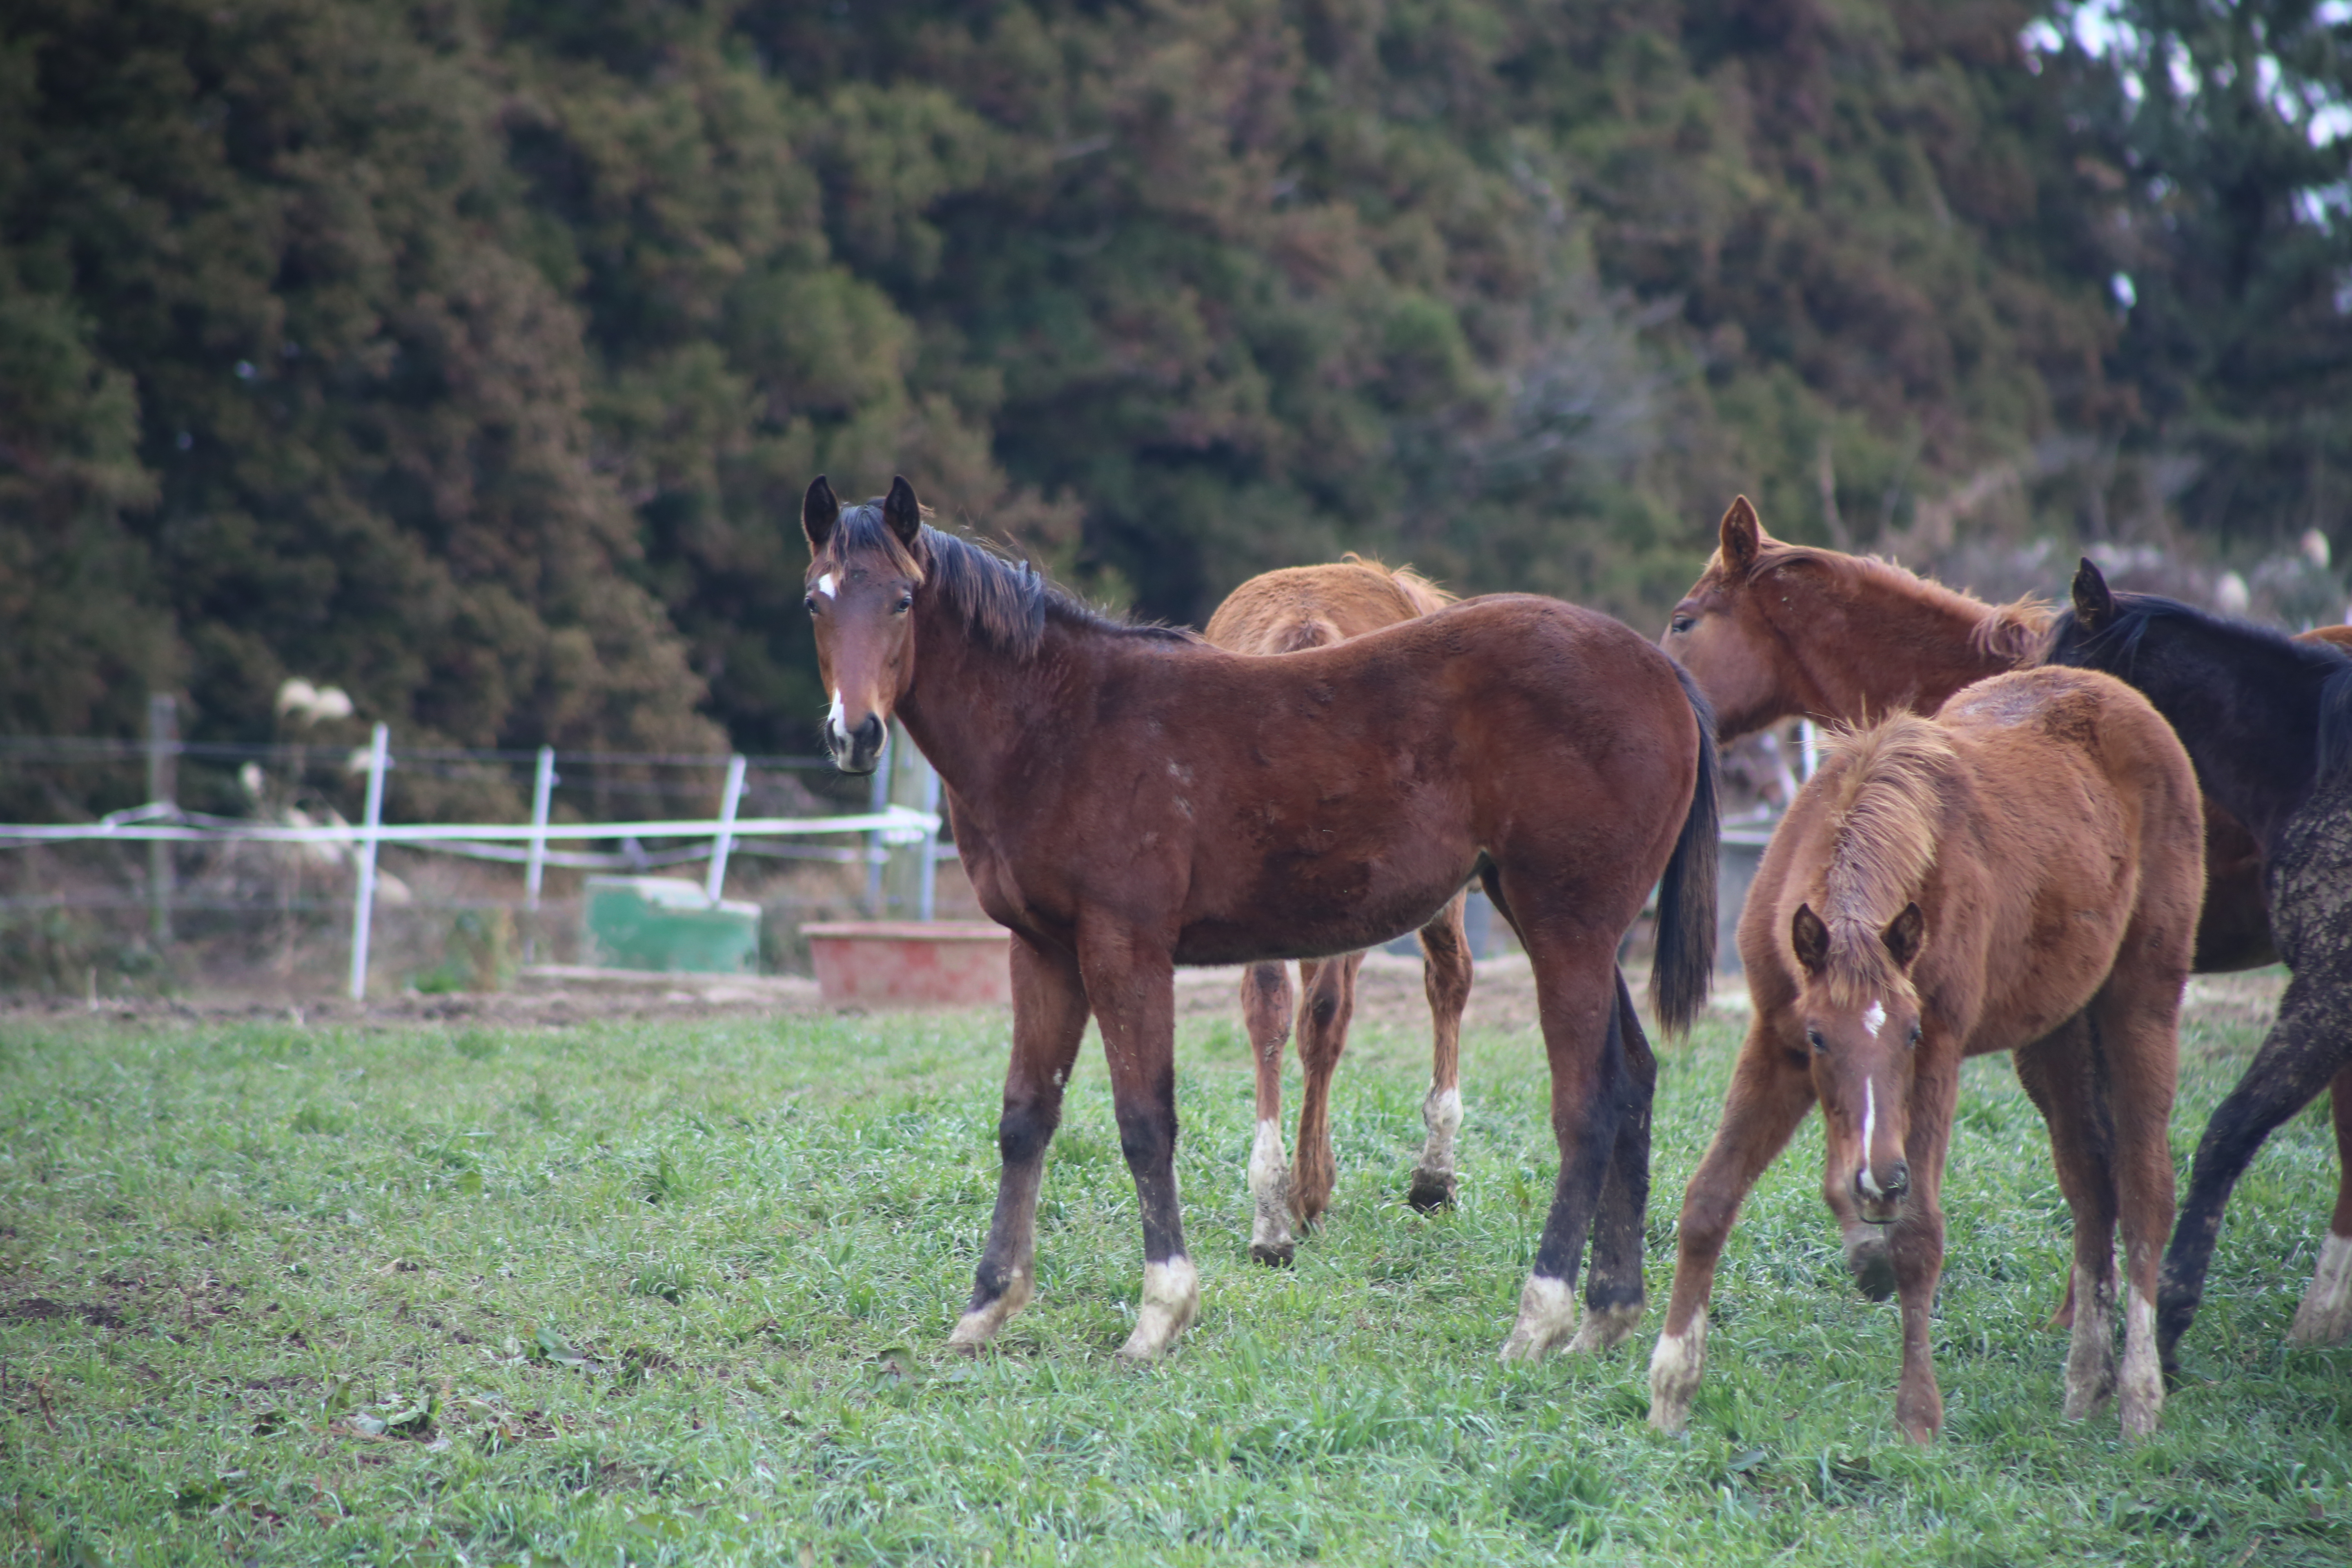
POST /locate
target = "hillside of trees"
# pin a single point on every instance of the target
(471, 355)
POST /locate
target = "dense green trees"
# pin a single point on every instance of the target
(472, 355)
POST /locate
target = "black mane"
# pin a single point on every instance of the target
(1004, 603)
(2116, 647)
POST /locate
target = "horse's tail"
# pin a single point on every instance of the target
(1686, 952)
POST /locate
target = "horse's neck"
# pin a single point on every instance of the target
(2251, 731)
(987, 719)
(1900, 657)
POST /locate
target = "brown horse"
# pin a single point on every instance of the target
(1773, 630)
(1289, 611)
(1944, 888)
(1130, 798)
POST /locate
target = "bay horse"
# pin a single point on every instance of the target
(1943, 888)
(1773, 630)
(1289, 611)
(1130, 798)
(2268, 721)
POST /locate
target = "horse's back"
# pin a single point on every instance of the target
(1298, 607)
(2069, 813)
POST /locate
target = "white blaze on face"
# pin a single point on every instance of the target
(825, 584)
(1874, 1017)
(833, 724)
(1869, 1132)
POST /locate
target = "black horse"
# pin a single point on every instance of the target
(2268, 721)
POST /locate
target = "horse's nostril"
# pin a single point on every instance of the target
(869, 733)
(1898, 1180)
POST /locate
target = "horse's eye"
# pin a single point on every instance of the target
(1915, 1034)
(1682, 624)
(1813, 1038)
(906, 603)
(811, 603)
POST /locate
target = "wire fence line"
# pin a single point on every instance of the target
(160, 822)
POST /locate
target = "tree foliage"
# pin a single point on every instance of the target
(473, 356)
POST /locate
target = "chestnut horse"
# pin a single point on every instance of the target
(1773, 630)
(1944, 888)
(1130, 798)
(2268, 721)
(1289, 611)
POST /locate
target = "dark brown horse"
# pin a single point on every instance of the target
(1127, 799)
(2268, 721)
(1944, 888)
(1290, 611)
(1773, 630)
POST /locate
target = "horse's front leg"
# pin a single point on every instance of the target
(1049, 1018)
(2325, 1316)
(1915, 1243)
(1770, 1094)
(1446, 968)
(1593, 1091)
(1613, 1293)
(1265, 1012)
(1132, 982)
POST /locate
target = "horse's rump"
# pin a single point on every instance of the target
(1299, 607)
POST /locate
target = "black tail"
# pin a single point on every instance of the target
(1685, 956)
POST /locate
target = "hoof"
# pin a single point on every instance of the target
(1547, 1316)
(1872, 1268)
(1675, 1367)
(1273, 1255)
(1605, 1327)
(1171, 1294)
(1430, 1192)
(979, 1322)
(2324, 1318)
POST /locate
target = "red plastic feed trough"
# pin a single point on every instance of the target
(911, 964)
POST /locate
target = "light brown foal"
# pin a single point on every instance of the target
(1288, 611)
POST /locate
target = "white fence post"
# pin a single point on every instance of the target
(542, 796)
(723, 843)
(363, 905)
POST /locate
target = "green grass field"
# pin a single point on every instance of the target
(656, 1293)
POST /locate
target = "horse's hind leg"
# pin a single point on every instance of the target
(2308, 1045)
(1593, 1091)
(1049, 1018)
(2060, 1073)
(2325, 1316)
(1445, 975)
(1613, 1279)
(2138, 1037)
(1327, 1002)
(1265, 1012)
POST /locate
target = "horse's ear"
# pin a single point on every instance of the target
(1811, 938)
(820, 509)
(903, 512)
(1904, 936)
(1743, 536)
(2095, 602)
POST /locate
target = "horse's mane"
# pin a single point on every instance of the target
(2013, 633)
(1004, 602)
(1886, 799)
(2135, 613)
(1419, 591)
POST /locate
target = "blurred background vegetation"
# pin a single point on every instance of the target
(471, 354)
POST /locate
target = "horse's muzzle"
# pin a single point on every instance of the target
(1880, 1201)
(859, 751)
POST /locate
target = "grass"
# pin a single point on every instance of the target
(678, 1293)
